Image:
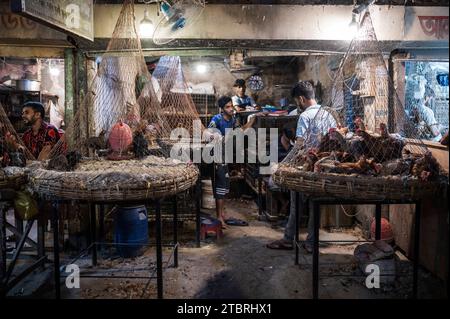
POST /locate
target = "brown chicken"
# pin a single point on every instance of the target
(309, 160)
(362, 166)
(425, 168)
(97, 143)
(333, 141)
(381, 148)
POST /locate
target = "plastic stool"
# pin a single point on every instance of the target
(210, 225)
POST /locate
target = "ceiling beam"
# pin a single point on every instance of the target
(429, 3)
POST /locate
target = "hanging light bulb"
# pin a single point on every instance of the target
(202, 68)
(146, 26)
(353, 26)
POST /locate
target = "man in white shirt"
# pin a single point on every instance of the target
(313, 123)
(428, 126)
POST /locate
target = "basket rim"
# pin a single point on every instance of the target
(354, 186)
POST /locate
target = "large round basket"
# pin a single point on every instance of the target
(115, 181)
(12, 179)
(354, 187)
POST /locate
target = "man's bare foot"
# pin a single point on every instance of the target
(224, 225)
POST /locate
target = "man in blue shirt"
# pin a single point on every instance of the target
(224, 122)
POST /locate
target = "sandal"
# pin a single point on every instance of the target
(236, 222)
(280, 245)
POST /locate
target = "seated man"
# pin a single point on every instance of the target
(310, 128)
(41, 136)
(241, 101)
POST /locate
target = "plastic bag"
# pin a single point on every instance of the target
(25, 206)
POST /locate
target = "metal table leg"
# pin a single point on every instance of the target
(101, 226)
(316, 219)
(93, 226)
(198, 193)
(416, 248)
(3, 248)
(57, 275)
(377, 221)
(296, 205)
(259, 196)
(159, 272)
(18, 250)
(41, 233)
(18, 223)
(175, 231)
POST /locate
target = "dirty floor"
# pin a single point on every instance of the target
(240, 266)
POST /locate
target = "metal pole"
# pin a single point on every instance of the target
(159, 272)
(378, 222)
(296, 198)
(3, 248)
(259, 195)
(175, 231)
(198, 192)
(101, 225)
(93, 225)
(56, 250)
(316, 220)
(416, 248)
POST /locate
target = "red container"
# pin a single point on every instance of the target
(387, 233)
(120, 138)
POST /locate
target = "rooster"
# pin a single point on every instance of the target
(309, 160)
(64, 162)
(381, 148)
(97, 143)
(362, 166)
(425, 168)
(332, 141)
(359, 124)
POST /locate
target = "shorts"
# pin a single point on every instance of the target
(221, 181)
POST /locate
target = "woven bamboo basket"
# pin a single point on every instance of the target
(109, 181)
(12, 180)
(354, 186)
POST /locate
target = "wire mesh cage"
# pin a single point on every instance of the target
(361, 143)
(110, 151)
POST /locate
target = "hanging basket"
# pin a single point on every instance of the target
(354, 186)
(112, 181)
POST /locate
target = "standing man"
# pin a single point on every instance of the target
(241, 101)
(313, 123)
(224, 122)
(41, 136)
(428, 126)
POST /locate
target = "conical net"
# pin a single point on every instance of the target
(363, 129)
(177, 108)
(127, 112)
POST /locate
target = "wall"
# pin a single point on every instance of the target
(278, 74)
(317, 69)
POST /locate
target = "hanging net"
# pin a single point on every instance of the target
(361, 144)
(118, 125)
(13, 154)
(177, 108)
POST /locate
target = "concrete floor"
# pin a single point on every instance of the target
(240, 266)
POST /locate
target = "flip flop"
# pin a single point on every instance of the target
(236, 222)
(280, 245)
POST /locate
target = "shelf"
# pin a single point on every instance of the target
(18, 91)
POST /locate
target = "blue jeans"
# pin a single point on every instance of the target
(289, 232)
